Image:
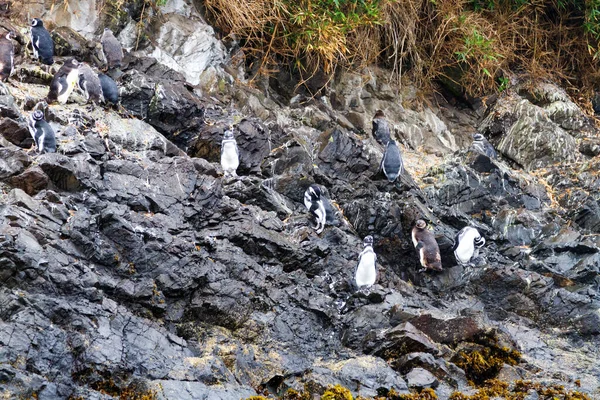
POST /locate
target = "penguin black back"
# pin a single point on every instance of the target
(111, 47)
(110, 91)
(41, 42)
(381, 128)
(42, 132)
(90, 83)
(392, 164)
(7, 51)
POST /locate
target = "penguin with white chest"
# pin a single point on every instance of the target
(392, 164)
(41, 42)
(481, 145)
(230, 155)
(425, 243)
(89, 83)
(366, 272)
(314, 203)
(42, 133)
(64, 81)
(467, 243)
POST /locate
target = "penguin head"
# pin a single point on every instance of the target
(73, 63)
(11, 35)
(228, 134)
(37, 22)
(379, 114)
(368, 241)
(420, 224)
(37, 115)
(315, 192)
(479, 241)
(478, 137)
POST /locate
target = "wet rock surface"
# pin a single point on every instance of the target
(129, 263)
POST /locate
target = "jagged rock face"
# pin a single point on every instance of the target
(128, 262)
(531, 136)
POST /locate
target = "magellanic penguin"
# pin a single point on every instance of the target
(481, 145)
(42, 133)
(429, 251)
(89, 83)
(110, 91)
(366, 272)
(230, 155)
(7, 56)
(41, 42)
(315, 205)
(64, 81)
(381, 129)
(467, 243)
(392, 164)
(111, 47)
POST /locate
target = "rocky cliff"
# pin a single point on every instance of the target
(131, 268)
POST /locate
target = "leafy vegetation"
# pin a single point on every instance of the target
(473, 43)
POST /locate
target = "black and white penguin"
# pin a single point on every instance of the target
(366, 272)
(315, 205)
(481, 145)
(426, 245)
(7, 56)
(467, 243)
(89, 83)
(392, 164)
(41, 42)
(111, 47)
(64, 81)
(110, 91)
(42, 133)
(381, 129)
(230, 155)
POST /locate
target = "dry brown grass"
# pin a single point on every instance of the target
(472, 43)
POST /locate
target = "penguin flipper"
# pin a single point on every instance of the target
(419, 245)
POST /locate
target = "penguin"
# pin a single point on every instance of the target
(7, 56)
(315, 205)
(89, 83)
(481, 145)
(230, 155)
(366, 272)
(111, 47)
(467, 243)
(41, 42)
(429, 251)
(381, 129)
(64, 81)
(110, 91)
(42, 133)
(392, 164)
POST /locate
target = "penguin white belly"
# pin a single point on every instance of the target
(72, 78)
(321, 216)
(229, 158)
(365, 272)
(465, 251)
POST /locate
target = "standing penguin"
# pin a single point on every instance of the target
(64, 81)
(7, 56)
(89, 83)
(429, 251)
(315, 205)
(467, 243)
(110, 91)
(381, 129)
(366, 272)
(41, 42)
(230, 156)
(111, 47)
(42, 133)
(481, 145)
(392, 164)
